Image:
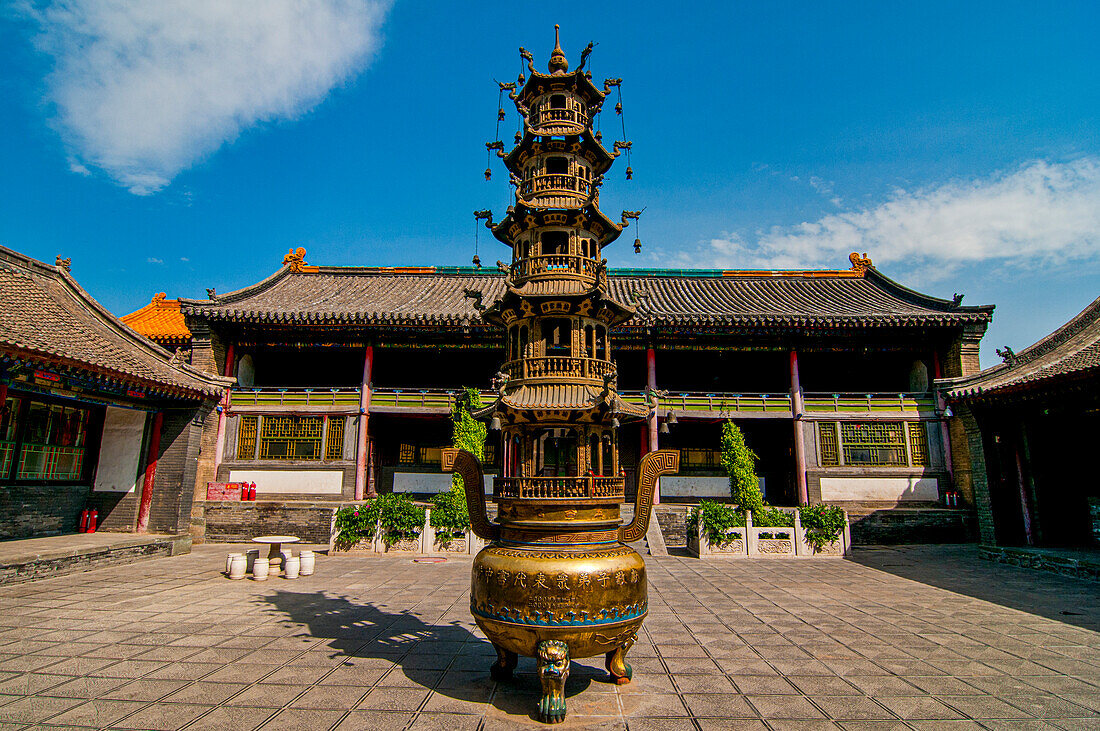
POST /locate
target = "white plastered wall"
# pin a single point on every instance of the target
(120, 450)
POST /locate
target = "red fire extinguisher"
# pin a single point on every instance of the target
(83, 521)
(252, 491)
(92, 518)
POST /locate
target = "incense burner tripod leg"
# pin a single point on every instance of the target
(506, 662)
(553, 668)
(617, 665)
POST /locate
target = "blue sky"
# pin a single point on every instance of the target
(180, 145)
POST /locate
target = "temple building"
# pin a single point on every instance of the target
(345, 377)
(1029, 422)
(92, 414)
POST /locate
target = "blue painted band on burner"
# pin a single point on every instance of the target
(515, 618)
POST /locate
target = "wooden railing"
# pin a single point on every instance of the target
(559, 488)
(555, 183)
(245, 397)
(552, 264)
(556, 366)
(815, 403)
(868, 402)
(543, 115)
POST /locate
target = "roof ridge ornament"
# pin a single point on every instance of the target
(558, 64)
(860, 263)
(66, 264)
(296, 259)
(158, 298)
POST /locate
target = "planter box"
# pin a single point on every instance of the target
(457, 545)
(749, 544)
(424, 544)
(403, 545)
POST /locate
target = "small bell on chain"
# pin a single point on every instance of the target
(637, 246)
(488, 173)
(500, 115)
(518, 137)
(629, 173)
(521, 79)
(477, 261)
(618, 108)
(599, 136)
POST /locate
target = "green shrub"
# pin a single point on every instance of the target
(769, 517)
(822, 524)
(396, 514)
(740, 464)
(467, 432)
(355, 522)
(718, 519)
(449, 515)
(398, 517)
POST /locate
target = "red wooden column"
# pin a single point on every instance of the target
(798, 411)
(150, 474)
(3, 394)
(362, 488)
(651, 420)
(223, 408)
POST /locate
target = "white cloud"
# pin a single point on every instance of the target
(144, 89)
(154, 260)
(1041, 213)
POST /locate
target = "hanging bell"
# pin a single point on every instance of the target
(618, 108)
(637, 246)
(495, 423)
(477, 261)
(672, 417)
(614, 422)
(521, 79)
(599, 136)
(500, 115)
(629, 173)
(518, 137)
(663, 428)
(488, 173)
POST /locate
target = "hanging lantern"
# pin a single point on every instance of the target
(495, 423)
(637, 246)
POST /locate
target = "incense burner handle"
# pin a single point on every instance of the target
(652, 466)
(466, 466)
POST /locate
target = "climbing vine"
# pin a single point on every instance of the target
(740, 464)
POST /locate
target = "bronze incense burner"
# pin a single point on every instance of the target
(557, 579)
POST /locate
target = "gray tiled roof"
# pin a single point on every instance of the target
(1070, 352)
(46, 316)
(376, 296)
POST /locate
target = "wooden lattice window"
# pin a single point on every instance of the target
(53, 443)
(826, 436)
(490, 454)
(430, 455)
(918, 444)
(291, 437)
(334, 446)
(701, 459)
(873, 442)
(406, 454)
(246, 437)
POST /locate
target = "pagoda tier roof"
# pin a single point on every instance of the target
(1068, 355)
(583, 144)
(437, 296)
(525, 399)
(589, 217)
(579, 81)
(160, 321)
(46, 317)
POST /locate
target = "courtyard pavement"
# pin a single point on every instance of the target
(897, 638)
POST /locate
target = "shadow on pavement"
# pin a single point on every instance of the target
(959, 569)
(448, 659)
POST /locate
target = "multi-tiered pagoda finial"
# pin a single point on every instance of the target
(556, 580)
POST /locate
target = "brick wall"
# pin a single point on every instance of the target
(673, 522)
(29, 511)
(235, 522)
(173, 486)
(905, 525)
(979, 478)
